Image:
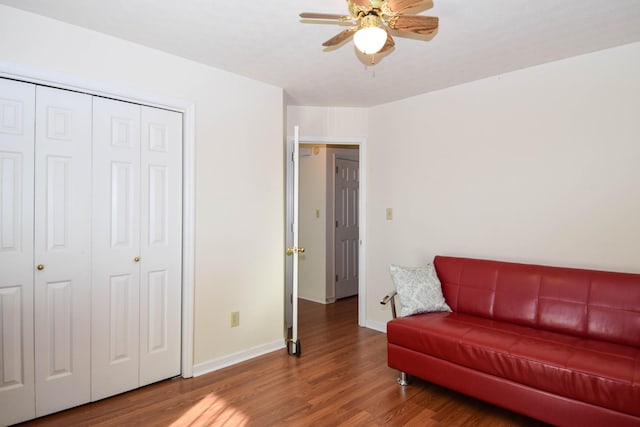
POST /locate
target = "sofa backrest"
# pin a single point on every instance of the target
(586, 303)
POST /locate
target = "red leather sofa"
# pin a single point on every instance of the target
(557, 344)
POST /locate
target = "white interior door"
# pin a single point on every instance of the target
(347, 239)
(161, 245)
(17, 389)
(116, 247)
(62, 245)
(293, 345)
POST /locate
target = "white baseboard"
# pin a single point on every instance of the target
(232, 359)
(376, 326)
(319, 301)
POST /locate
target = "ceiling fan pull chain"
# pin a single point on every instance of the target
(373, 70)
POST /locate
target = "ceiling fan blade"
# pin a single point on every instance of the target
(402, 5)
(311, 15)
(340, 37)
(415, 24)
(357, 7)
(362, 3)
(388, 44)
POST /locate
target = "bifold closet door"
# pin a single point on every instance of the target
(116, 247)
(90, 248)
(17, 388)
(45, 232)
(62, 249)
(137, 246)
(161, 245)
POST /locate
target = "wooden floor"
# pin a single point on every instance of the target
(341, 378)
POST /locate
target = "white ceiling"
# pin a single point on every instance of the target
(266, 41)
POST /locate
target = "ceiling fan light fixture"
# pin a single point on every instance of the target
(376, 22)
(370, 38)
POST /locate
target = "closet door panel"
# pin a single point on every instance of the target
(62, 249)
(17, 391)
(161, 245)
(116, 247)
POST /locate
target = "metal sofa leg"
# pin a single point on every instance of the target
(403, 379)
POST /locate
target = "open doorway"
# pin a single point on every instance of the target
(321, 156)
(329, 222)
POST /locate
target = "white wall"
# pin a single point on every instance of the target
(539, 165)
(239, 170)
(327, 122)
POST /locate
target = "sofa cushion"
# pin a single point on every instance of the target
(419, 289)
(589, 304)
(598, 372)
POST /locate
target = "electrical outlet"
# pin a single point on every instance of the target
(235, 319)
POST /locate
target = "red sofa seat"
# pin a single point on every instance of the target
(561, 345)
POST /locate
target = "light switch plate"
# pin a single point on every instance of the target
(235, 319)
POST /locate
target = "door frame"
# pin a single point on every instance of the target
(310, 140)
(187, 108)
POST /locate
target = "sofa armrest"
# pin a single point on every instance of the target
(390, 297)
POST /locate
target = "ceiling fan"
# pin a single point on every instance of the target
(373, 21)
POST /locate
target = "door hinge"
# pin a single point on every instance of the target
(336, 278)
(336, 224)
(336, 170)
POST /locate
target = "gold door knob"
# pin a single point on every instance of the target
(40, 267)
(291, 251)
(137, 259)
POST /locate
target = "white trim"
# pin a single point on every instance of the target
(65, 81)
(235, 358)
(187, 108)
(377, 326)
(333, 140)
(361, 143)
(188, 238)
(319, 301)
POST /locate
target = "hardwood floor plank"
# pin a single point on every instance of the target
(341, 379)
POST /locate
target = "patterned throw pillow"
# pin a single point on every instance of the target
(419, 289)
